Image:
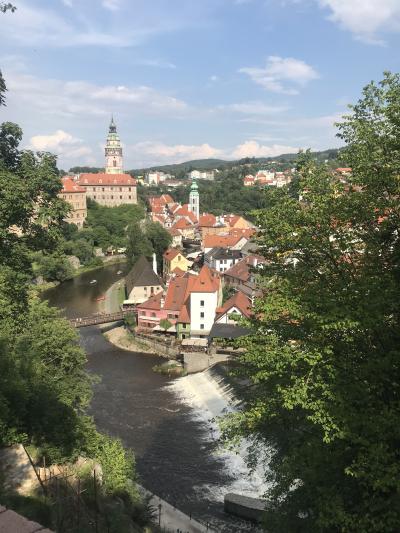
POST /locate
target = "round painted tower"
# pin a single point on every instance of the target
(113, 151)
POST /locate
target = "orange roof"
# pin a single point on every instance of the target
(178, 291)
(239, 232)
(184, 211)
(157, 209)
(182, 223)
(154, 302)
(171, 253)
(344, 169)
(174, 232)
(178, 272)
(206, 281)
(238, 300)
(69, 185)
(106, 179)
(184, 316)
(207, 220)
(220, 241)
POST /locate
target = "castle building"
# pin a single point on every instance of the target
(112, 187)
(194, 200)
(75, 195)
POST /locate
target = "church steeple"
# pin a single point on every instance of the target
(113, 151)
(194, 200)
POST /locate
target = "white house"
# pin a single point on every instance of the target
(205, 297)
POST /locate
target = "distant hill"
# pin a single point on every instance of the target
(180, 169)
(220, 164)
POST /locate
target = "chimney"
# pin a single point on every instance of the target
(155, 263)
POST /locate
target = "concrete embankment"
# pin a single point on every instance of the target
(171, 519)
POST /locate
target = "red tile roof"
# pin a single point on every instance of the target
(238, 300)
(69, 185)
(207, 220)
(154, 302)
(220, 241)
(171, 253)
(206, 281)
(182, 223)
(106, 179)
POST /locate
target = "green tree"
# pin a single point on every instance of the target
(324, 364)
(159, 237)
(138, 244)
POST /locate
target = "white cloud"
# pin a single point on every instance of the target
(254, 149)
(112, 5)
(254, 108)
(365, 18)
(60, 143)
(72, 98)
(151, 153)
(280, 74)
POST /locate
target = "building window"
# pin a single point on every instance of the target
(153, 314)
(144, 313)
(202, 314)
(112, 197)
(114, 163)
(201, 326)
(120, 196)
(102, 189)
(120, 188)
(201, 303)
(128, 197)
(152, 290)
(129, 189)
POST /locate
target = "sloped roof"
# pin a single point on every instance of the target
(222, 241)
(141, 275)
(154, 302)
(178, 291)
(238, 300)
(171, 253)
(106, 179)
(241, 270)
(207, 220)
(69, 185)
(206, 281)
(182, 223)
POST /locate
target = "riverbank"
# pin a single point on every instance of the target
(122, 338)
(111, 260)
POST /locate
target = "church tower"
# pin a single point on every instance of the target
(113, 151)
(194, 200)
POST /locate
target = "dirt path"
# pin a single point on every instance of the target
(19, 475)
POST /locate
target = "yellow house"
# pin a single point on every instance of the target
(173, 258)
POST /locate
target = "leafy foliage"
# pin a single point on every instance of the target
(324, 363)
(144, 239)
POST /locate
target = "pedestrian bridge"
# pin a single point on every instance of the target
(100, 318)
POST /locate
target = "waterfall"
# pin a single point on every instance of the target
(210, 396)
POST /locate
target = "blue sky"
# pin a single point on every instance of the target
(189, 79)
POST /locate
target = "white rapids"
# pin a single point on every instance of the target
(209, 397)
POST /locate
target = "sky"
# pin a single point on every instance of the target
(190, 79)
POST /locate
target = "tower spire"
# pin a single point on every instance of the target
(113, 151)
(113, 127)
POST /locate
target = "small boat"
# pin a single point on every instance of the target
(119, 272)
(93, 281)
(100, 298)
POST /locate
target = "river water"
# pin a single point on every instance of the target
(168, 423)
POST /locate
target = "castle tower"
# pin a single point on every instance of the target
(113, 151)
(194, 200)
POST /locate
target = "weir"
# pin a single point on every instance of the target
(211, 396)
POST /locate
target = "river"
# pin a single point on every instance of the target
(166, 422)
